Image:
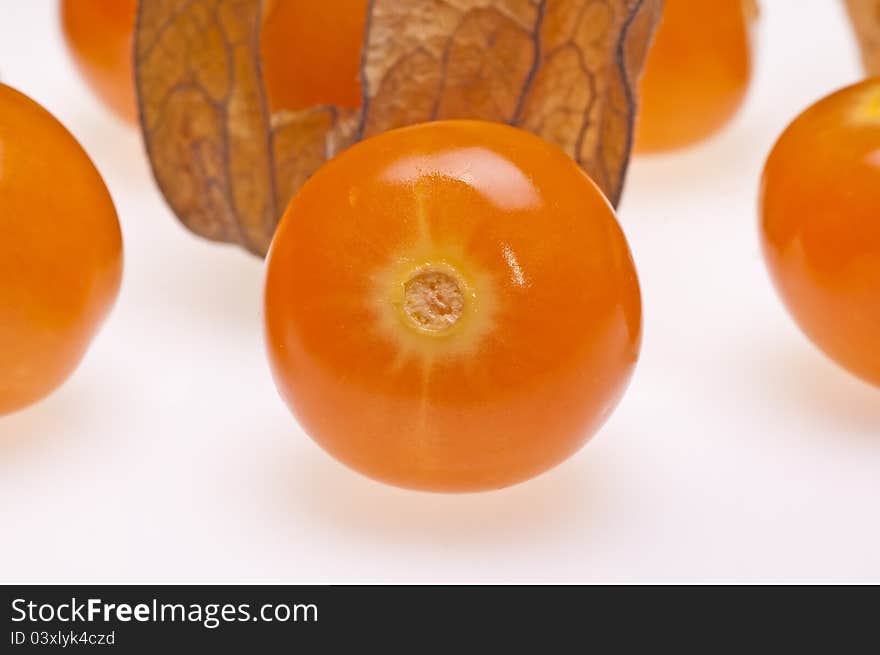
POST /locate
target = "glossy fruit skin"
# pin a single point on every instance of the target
(820, 225)
(697, 73)
(311, 53)
(558, 310)
(99, 35)
(60, 252)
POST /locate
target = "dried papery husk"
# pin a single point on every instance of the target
(865, 15)
(566, 70)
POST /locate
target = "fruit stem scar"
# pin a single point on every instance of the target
(433, 300)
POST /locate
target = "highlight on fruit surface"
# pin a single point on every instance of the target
(865, 15)
(236, 114)
(451, 306)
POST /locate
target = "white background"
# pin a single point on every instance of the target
(739, 453)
